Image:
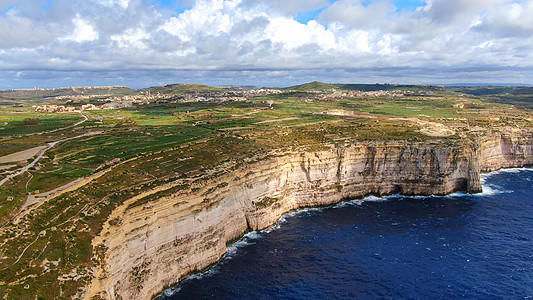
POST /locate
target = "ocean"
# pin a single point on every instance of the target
(396, 247)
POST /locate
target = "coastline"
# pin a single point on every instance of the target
(168, 241)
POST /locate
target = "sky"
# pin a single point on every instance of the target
(142, 43)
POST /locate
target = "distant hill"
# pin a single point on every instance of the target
(493, 90)
(320, 86)
(183, 88)
(313, 86)
(237, 87)
(517, 95)
(388, 87)
(67, 91)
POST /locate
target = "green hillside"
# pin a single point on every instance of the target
(313, 86)
(183, 88)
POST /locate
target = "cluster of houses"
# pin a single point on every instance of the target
(90, 106)
(261, 92)
(138, 98)
(54, 108)
(335, 94)
(221, 96)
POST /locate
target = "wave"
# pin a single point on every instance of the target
(359, 202)
(198, 276)
(247, 240)
(170, 292)
(283, 219)
(493, 189)
(485, 176)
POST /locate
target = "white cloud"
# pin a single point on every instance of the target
(509, 19)
(109, 3)
(206, 18)
(19, 31)
(131, 38)
(358, 14)
(293, 34)
(83, 31)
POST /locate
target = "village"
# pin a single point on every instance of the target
(146, 97)
(125, 101)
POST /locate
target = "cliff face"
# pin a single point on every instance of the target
(506, 150)
(154, 245)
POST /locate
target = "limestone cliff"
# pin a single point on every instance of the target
(152, 246)
(506, 150)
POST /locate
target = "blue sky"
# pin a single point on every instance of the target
(139, 43)
(401, 4)
(304, 17)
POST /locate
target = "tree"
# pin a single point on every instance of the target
(30, 122)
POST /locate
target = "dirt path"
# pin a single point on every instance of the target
(21, 155)
(34, 201)
(70, 126)
(277, 120)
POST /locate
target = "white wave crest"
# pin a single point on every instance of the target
(272, 228)
(206, 273)
(485, 176)
(170, 292)
(253, 235)
(491, 190)
(247, 240)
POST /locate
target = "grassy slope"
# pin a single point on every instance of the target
(313, 86)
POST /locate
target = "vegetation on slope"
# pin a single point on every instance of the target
(522, 96)
(183, 88)
(313, 86)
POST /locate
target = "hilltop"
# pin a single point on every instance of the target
(183, 88)
(313, 86)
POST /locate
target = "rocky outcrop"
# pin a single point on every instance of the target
(151, 247)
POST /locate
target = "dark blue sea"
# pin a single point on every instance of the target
(458, 246)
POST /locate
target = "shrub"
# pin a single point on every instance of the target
(30, 122)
